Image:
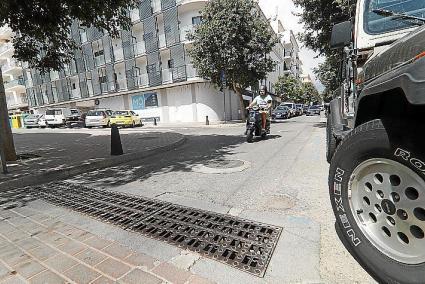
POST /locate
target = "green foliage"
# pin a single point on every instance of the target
(319, 16)
(289, 88)
(328, 73)
(235, 38)
(293, 90)
(43, 26)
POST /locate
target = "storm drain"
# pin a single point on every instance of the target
(240, 243)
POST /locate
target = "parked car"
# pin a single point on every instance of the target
(42, 123)
(281, 112)
(31, 121)
(292, 107)
(313, 110)
(299, 109)
(98, 118)
(126, 118)
(57, 116)
(75, 115)
(305, 109)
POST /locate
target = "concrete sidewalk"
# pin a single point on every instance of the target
(39, 248)
(49, 156)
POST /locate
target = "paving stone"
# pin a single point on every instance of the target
(16, 257)
(171, 273)
(141, 260)
(103, 280)
(32, 229)
(117, 251)
(60, 262)
(7, 249)
(4, 271)
(84, 236)
(81, 274)
(39, 217)
(113, 268)
(43, 252)
(138, 276)
(29, 269)
(15, 235)
(97, 242)
(28, 243)
(47, 277)
(72, 247)
(75, 233)
(53, 238)
(195, 279)
(14, 280)
(91, 257)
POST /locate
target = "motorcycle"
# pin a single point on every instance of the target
(254, 124)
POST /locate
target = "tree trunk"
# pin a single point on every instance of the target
(5, 132)
(241, 102)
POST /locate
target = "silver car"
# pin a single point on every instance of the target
(32, 121)
(98, 118)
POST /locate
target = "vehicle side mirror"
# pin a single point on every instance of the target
(341, 35)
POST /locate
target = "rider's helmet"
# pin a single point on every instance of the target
(263, 90)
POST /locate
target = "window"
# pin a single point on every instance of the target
(98, 53)
(151, 100)
(73, 86)
(196, 20)
(375, 24)
(171, 63)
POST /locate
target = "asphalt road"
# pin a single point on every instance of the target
(280, 181)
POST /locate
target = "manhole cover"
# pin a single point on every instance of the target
(240, 243)
(222, 167)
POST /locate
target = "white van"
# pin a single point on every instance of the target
(57, 116)
(292, 107)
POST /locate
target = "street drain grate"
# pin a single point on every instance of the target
(240, 243)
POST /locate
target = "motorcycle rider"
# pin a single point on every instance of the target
(265, 102)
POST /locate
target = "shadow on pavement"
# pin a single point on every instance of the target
(200, 149)
(320, 125)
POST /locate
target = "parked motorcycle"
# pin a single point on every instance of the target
(254, 124)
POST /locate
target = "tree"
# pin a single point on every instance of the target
(319, 16)
(42, 29)
(311, 95)
(233, 39)
(289, 88)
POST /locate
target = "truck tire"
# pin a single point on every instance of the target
(377, 191)
(331, 142)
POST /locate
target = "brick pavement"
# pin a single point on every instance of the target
(36, 248)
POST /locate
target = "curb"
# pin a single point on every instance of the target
(61, 174)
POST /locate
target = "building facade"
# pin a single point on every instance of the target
(12, 75)
(292, 62)
(147, 69)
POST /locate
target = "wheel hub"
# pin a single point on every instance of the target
(387, 200)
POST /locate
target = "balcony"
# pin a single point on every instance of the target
(162, 41)
(184, 31)
(13, 84)
(99, 60)
(118, 54)
(167, 76)
(142, 80)
(6, 47)
(191, 71)
(140, 48)
(121, 85)
(10, 66)
(134, 15)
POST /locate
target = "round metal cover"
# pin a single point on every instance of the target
(222, 167)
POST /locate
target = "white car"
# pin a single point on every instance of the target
(292, 107)
(57, 116)
(98, 118)
(42, 121)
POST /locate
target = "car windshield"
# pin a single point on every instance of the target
(281, 108)
(53, 112)
(314, 107)
(95, 113)
(31, 116)
(74, 111)
(121, 112)
(376, 24)
(288, 105)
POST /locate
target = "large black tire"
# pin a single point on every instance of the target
(331, 142)
(400, 143)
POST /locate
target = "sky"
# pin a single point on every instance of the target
(285, 10)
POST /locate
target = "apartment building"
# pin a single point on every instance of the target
(12, 75)
(147, 69)
(293, 63)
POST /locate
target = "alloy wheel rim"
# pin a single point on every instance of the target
(387, 199)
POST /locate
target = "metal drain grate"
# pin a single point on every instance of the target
(240, 243)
